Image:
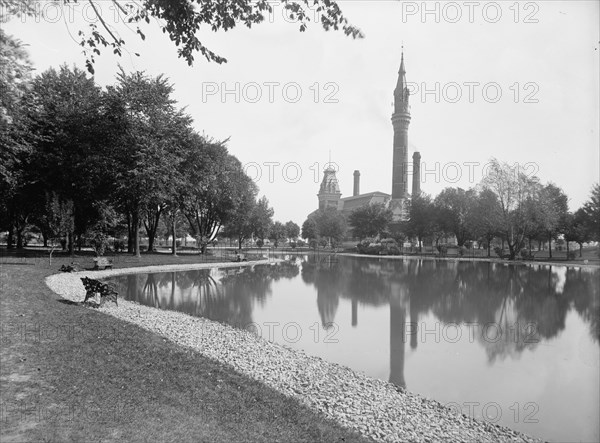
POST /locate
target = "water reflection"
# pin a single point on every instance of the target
(536, 298)
(503, 311)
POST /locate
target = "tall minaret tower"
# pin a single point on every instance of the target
(400, 122)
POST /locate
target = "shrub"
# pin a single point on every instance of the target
(99, 242)
(498, 251)
(260, 242)
(293, 245)
(389, 242)
(571, 255)
(394, 250)
(526, 254)
(442, 249)
(301, 243)
(119, 245)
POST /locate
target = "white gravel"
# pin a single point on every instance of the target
(372, 407)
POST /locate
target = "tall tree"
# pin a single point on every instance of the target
(241, 223)
(70, 155)
(277, 233)
(292, 230)
(549, 211)
(575, 229)
(484, 218)
(216, 186)
(309, 229)
(370, 220)
(149, 155)
(514, 191)
(421, 222)
(262, 218)
(592, 211)
(452, 207)
(330, 225)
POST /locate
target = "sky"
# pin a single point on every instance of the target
(517, 81)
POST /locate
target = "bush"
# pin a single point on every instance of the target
(572, 255)
(119, 245)
(498, 251)
(394, 250)
(313, 244)
(301, 243)
(99, 242)
(442, 249)
(293, 245)
(260, 242)
(526, 254)
(389, 242)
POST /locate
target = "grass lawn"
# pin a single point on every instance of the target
(69, 373)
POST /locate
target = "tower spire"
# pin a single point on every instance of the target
(401, 92)
(400, 122)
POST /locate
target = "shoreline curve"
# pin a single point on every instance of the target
(372, 407)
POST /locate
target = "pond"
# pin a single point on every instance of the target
(511, 344)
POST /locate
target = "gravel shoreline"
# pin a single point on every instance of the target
(374, 408)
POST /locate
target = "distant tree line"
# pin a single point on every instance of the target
(80, 164)
(506, 206)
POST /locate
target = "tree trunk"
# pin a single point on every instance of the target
(489, 247)
(71, 244)
(10, 239)
(19, 238)
(512, 250)
(129, 234)
(135, 222)
(580, 250)
(240, 243)
(45, 238)
(567, 250)
(152, 227)
(174, 231)
(550, 245)
(150, 241)
(539, 245)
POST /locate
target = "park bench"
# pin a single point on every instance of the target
(73, 267)
(240, 257)
(93, 287)
(102, 263)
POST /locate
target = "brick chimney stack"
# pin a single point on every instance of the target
(416, 184)
(356, 183)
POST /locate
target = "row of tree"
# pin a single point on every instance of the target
(81, 163)
(507, 205)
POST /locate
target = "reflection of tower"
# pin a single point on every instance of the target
(328, 296)
(327, 303)
(400, 122)
(329, 192)
(397, 337)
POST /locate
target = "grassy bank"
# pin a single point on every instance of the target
(70, 373)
